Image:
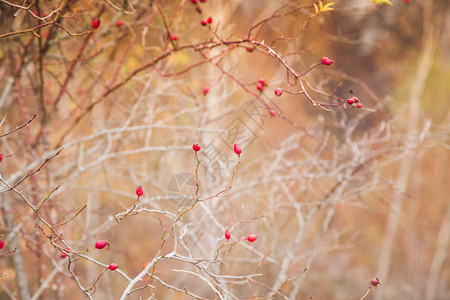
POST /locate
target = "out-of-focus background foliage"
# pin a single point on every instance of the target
(336, 197)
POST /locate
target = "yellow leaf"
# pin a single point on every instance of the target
(382, 2)
(322, 8)
(328, 6)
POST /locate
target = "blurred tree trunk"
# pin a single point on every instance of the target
(16, 258)
(432, 26)
(439, 256)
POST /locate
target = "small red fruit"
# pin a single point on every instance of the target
(174, 37)
(1, 157)
(251, 238)
(113, 266)
(194, 1)
(204, 22)
(35, 13)
(374, 282)
(119, 23)
(206, 89)
(350, 101)
(209, 20)
(262, 81)
(227, 234)
(260, 86)
(63, 255)
(278, 92)
(406, 1)
(2, 244)
(272, 112)
(250, 49)
(325, 60)
(359, 105)
(355, 99)
(237, 149)
(196, 147)
(101, 244)
(96, 23)
(202, 0)
(139, 191)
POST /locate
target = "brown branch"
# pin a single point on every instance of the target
(20, 127)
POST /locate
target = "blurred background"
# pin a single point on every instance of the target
(336, 196)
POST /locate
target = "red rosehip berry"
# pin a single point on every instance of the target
(204, 22)
(96, 23)
(63, 255)
(252, 237)
(196, 147)
(119, 23)
(139, 191)
(237, 149)
(272, 112)
(209, 20)
(260, 86)
(202, 0)
(113, 266)
(374, 282)
(350, 101)
(359, 105)
(35, 13)
(101, 244)
(194, 1)
(406, 1)
(174, 37)
(206, 90)
(325, 60)
(2, 244)
(227, 234)
(1, 157)
(355, 99)
(262, 81)
(278, 92)
(250, 49)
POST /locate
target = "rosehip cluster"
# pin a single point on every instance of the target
(326, 61)
(207, 21)
(352, 100)
(261, 84)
